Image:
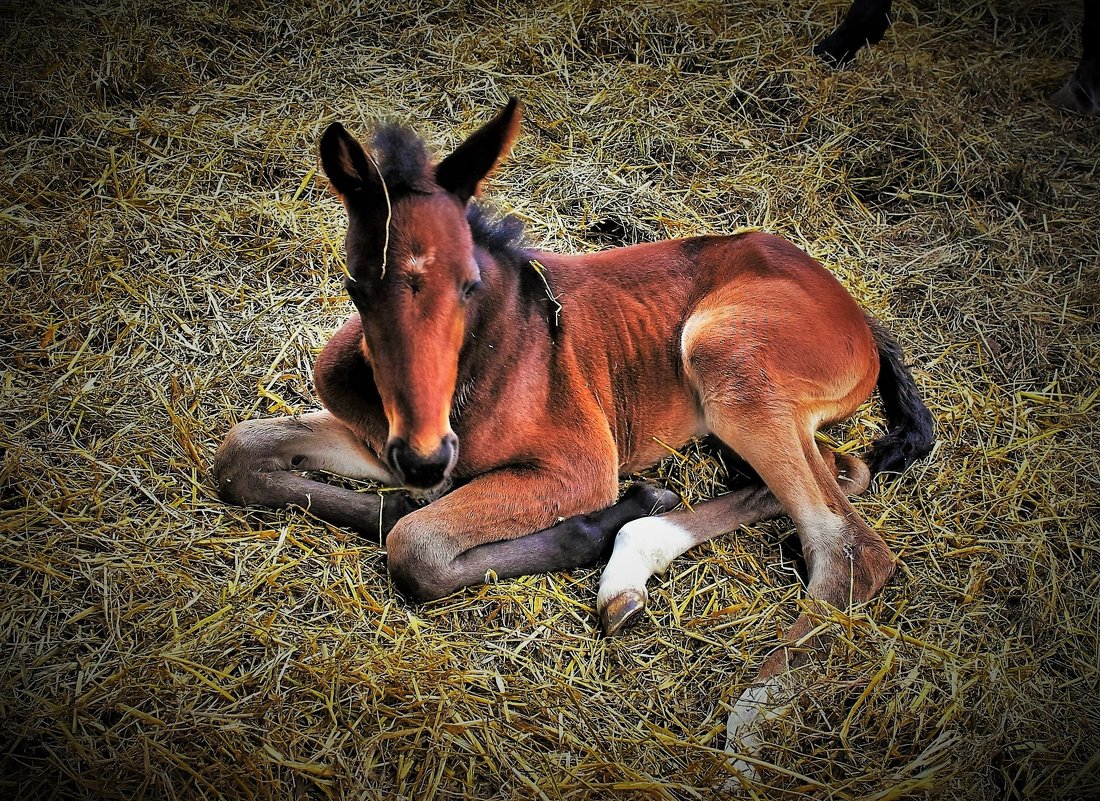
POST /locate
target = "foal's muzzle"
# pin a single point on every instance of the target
(422, 472)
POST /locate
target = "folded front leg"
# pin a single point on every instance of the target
(255, 466)
(577, 541)
(509, 522)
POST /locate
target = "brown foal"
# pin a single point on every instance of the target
(512, 388)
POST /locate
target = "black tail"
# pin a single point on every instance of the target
(910, 434)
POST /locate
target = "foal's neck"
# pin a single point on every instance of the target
(507, 323)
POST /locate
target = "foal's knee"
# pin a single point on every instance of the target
(417, 562)
(241, 460)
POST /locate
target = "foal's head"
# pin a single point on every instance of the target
(413, 276)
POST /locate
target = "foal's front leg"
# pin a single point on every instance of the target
(510, 522)
(254, 466)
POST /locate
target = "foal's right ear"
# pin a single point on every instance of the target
(346, 164)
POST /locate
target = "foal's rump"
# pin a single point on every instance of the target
(775, 328)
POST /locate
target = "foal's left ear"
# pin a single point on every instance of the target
(462, 172)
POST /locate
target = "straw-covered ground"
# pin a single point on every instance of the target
(171, 264)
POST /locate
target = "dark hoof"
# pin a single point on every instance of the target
(1076, 98)
(862, 26)
(652, 499)
(836, 51)
(620, 610)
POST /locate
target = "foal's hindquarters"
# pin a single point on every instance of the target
(772, 353)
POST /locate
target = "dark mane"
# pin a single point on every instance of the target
(402, 160)
(503, 237)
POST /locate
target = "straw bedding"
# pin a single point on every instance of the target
(172, 264)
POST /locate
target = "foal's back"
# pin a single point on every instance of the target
(658, 285)
(634, 314)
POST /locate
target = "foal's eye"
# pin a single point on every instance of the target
(469, 288)
(354, 289)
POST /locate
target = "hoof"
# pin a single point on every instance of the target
(651, 498)
(661, 500)
(835, 52)
(620, 610)
(1076, 98)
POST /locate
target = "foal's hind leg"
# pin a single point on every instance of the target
(255, 462)
(646, 547)
(847, 561)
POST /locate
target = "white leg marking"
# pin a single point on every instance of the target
(643, 548)
(759, 703)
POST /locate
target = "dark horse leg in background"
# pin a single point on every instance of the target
(865, 23)
(1081, 93)
(867, 20)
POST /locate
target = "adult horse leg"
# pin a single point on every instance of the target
(256, 463)
(1081, 92)
(646, 547)
(865, 23)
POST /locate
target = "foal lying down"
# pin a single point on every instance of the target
(513, 387)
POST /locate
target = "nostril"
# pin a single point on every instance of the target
(394, 450)
(450, 444)
(415, 470)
